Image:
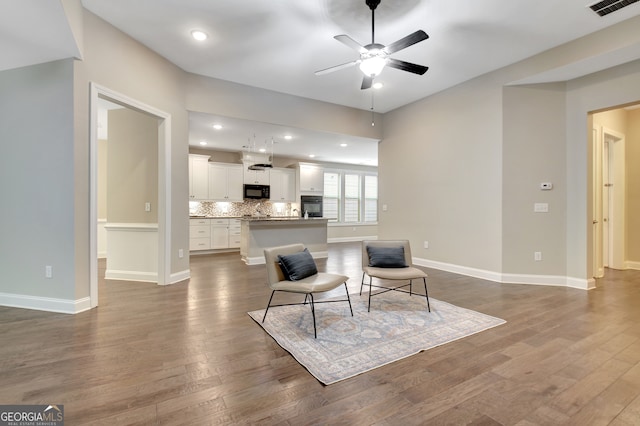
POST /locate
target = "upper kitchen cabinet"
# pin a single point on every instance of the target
(225, 182)
(198, 177)
(283, 185)
(311, 178)
(255, 177)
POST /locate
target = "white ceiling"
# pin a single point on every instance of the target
(278, 44)
(242, 135)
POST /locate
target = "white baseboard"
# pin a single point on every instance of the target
(49, 304)
(633, 265)
(179, 276)
(550, 280)
(112, 274)
(457, 269)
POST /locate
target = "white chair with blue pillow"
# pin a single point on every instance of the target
(390, 260)
(291, 269)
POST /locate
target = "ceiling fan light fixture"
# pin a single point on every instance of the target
(373, 66)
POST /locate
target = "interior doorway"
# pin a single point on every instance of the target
(609, 192)
(162, 258)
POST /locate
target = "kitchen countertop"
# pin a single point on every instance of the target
(259, 218)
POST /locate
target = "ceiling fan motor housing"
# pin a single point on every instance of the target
(372, 4)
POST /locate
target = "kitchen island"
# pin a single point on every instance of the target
(259, 233)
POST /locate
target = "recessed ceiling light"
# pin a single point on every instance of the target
(288, 137)
(199, 35)
(203, 143)
(378, 85)
(217, 126)
(262, 150)
(312, 155)
(343, 145)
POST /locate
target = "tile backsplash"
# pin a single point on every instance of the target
(236, 209)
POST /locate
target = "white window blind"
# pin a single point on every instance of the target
(370, 198)
(351, 198)
(331, 198)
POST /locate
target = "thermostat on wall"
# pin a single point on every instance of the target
(546, 186)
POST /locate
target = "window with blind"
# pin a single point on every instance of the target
(331, 198)
(350, 196)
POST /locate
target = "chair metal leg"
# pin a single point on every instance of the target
(410, 287)
(426, 293)
(369, 307)
(313, 314)
(348, 298)
(361, 284)
(268, 304)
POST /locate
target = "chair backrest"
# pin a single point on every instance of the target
(274, 273)
(386, 243)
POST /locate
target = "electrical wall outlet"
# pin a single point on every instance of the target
(147, 206)
(48, 271)
(426, 244)
(180, 253)
(537, 256)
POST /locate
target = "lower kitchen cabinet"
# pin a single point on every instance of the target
(234, 233)
(219, 233)
(199, 234)
(214, 234)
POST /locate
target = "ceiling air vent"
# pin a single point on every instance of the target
(606, 7)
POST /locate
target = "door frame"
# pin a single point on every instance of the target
(613, 144)
(164, 184)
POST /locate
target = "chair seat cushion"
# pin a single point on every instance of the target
(406, 273)
(386, 257)
(322, 281)
(297, 266)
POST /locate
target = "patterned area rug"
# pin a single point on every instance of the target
(398, 326)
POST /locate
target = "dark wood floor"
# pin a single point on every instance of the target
(188, 354)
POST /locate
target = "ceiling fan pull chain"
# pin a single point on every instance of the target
(373, 115)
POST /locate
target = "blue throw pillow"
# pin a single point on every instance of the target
(386, 257)
(298, 265)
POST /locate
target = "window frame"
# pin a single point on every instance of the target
(362, 199)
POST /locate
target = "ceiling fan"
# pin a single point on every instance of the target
(375, 56)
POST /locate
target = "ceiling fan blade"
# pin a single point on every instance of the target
(345, 39)
(407, 66)
(407, 41)
(337, 67)
(367, 81)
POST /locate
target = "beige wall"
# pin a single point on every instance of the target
(37, 181)
(533, 153)
(633, 186)
(103, 146)
(440, 176)
(461, 169)
(132, 176)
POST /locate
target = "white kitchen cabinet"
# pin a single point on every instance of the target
(255, 177)
(283, 185)
(199, 234)
(219, 233)
(311, 178)
(198, 177)
(234, 233)
(225, 182)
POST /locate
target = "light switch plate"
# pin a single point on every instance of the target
(541, 207)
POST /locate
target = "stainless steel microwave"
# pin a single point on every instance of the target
(257, 192)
